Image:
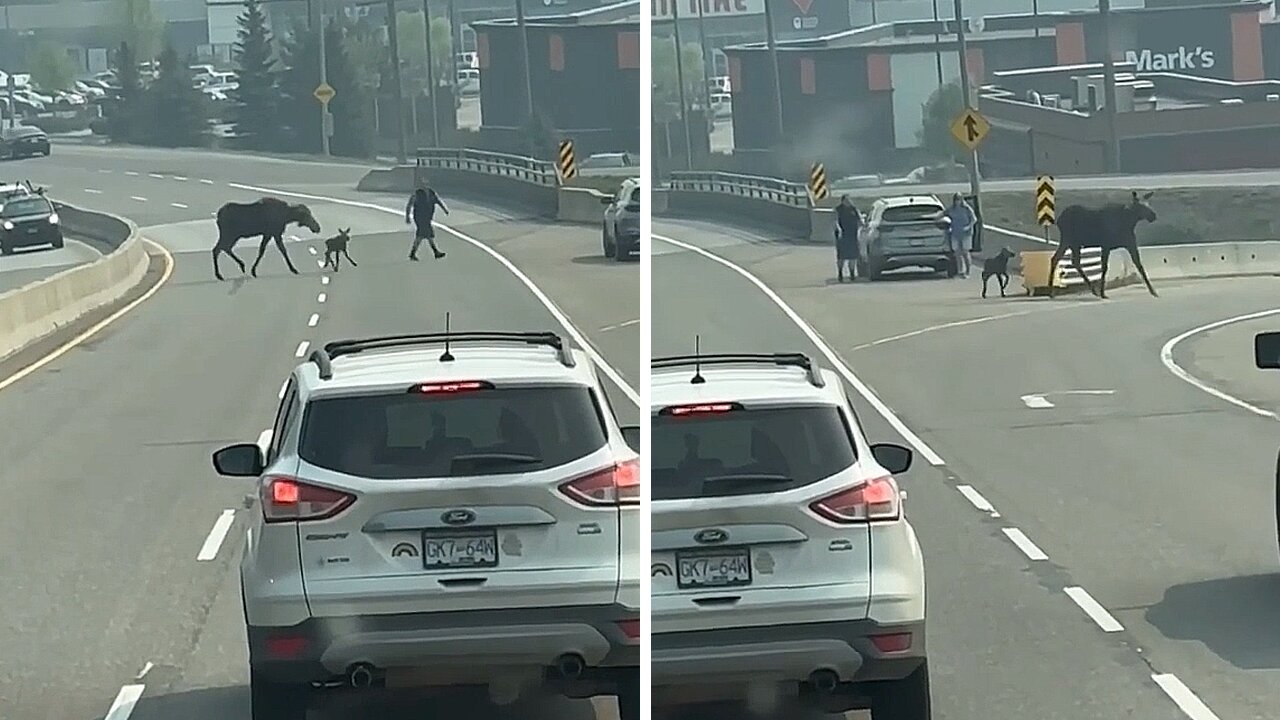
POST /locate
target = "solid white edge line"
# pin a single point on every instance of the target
(302, 348)
(541, 296)
(1183, 697)
(1093, 609)
(1166, 358)
(213, 542)
(125, 702)
(315, 318)
(832, 357)
(1028, 548)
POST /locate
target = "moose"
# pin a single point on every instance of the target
(267, 217)
(1106, 228)
(335, 247)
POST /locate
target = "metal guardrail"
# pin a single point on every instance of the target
(1090, 260)
(751, 187)
(516, 167)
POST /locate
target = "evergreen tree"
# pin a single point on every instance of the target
(256, 112)
(178, 114)
(124, 122)
(350, 107)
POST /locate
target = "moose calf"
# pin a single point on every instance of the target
(335, 247)
(997, 266)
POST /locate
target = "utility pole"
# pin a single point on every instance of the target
(1109, 89)
(708, 62)
(393, 40)
(684, 105)
(964, 89)
(524, 55)
(772, 43)
(937, 54)
(431, 77)
(325, 122)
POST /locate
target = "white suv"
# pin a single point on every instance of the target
(438, 510)
(784, 570)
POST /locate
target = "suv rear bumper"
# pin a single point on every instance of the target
(931, 257)
(475, 644)
(784, 653)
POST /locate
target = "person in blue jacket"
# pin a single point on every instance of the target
(960, 233)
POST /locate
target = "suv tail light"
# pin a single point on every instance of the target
(616, 485)
(876, 499)
(287, 499)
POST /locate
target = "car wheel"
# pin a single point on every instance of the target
(276, 701)
(47, 151)
(905, 699)
(59, 244)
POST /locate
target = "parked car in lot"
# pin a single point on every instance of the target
(28, 220)
(23, 141)
(621, 230)
(906, 231)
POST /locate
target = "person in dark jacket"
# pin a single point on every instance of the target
(420, 211)
(848, 221)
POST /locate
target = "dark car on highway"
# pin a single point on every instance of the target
(29, 221)
(23, 141)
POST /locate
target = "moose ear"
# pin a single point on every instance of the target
(1135, 195)
(1148, 195)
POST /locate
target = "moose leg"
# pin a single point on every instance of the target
(1075, 263)
(348, 254)
(985, 278)
(1053, 265)
(217, 250)
(232, 253)
(1137, 260)
(1102, 281)
(262, 250)
(279, 239)
(1004, 283)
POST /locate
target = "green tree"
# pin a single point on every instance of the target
(126, 111)
(938, 112)
(177, 112)
(51, 68)
(256, 113)
(140, 28)
(413, 46)
(351, 106)
(666, 84)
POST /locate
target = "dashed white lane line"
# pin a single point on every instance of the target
(130, 173)
(975, 498)
(139, 199)
(179, 178)
(302, 349)
(126, 700)
(324, 280)
(1093, 609)
(310, 249)
(213, 542)
(1182, 696)
(1166, 358)
(315, 318)
(1028, 548)
(157, 176)
(145, 669)
(319, 263)
(619, 326)
(91, 191)
(321, 297)
(104, 171)
(180, 206)
(284, 385)
(205, 182)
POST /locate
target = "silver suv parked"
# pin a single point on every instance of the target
(621, 229)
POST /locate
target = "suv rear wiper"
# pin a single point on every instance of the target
(497, 459)
(747, 478)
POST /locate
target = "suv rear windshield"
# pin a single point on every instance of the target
(25, 206)
(404, 435)
(783, 447)
(910, 213)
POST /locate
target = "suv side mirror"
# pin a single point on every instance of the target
(894, 458)
(631, 433)
(1266, 350)
(239, 460)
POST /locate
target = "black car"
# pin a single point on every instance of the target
(29, 221)
(23, 141)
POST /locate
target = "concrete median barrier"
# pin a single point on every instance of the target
(34, 311)
(582, 206)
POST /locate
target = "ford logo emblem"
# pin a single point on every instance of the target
(710, 536)
(458, 517)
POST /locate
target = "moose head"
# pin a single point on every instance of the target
(300, 214)
(1142, 209)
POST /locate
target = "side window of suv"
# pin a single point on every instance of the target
(284, 421)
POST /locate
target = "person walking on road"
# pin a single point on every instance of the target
(848, 221)
(420, 211)
(960, 233)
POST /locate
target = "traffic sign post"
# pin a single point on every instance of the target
(324, 92)
(970, 128)
(1046, 204)
(818, 181)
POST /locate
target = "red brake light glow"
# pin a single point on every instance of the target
(286, 499)
(612, 486)
(895, 642)
(876, 499)
(684, 410)
(451, 387)
(630, 629)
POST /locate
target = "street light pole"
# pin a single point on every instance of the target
(684, 105)
(324, 79)
(431, 77)
(964, 89)
(937, 54)
(772, 44)
(1109, 89)
(393, 41)
(524, 55)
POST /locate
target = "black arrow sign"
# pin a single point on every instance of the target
(971, 127)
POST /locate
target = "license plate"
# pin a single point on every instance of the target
(32, 231)
(445, 550)
(916, 242)
(727, 567)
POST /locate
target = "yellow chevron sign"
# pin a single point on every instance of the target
(1046, 211)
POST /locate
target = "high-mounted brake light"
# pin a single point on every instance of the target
(451, 387)
(876, 499)
(616, 485)
(703, 409)
(287, 499)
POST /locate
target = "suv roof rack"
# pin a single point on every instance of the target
(799, 360)
(323, 358)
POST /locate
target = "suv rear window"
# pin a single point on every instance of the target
(25, 206)
(796, 446)
(403, 435)
(910, 213)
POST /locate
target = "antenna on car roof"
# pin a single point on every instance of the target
(697, 361)
(446, 356)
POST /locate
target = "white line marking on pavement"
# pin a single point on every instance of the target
(1181, 695)
(1036, 401)
(221, 527)
(976, 499)
(1093, 609)
(957, 323)
(315, 318)
(1039, 400)
(157, 176)
(1028, 548)
(206, 182)
(542, 297)
(862, 389)
(125, 701)
(91, 191)
(104, 172)
(145, 669)
(310, 249)
(180, 206)
(180, 178)
(283, 386)
(139, 199)
(264, 438)
(1166, 357)
(324, 280)
(130, 173)
(302, 349)
(628, 323)
(321, 297)
(320, 263)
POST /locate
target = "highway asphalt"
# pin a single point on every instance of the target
(1148, 494)
(29, 265)
(109, 494)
